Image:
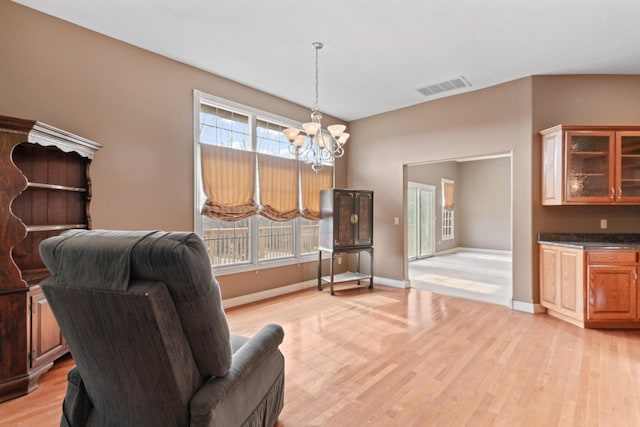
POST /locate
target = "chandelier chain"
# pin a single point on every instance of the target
(318, 46)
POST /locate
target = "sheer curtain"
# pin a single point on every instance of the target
(312, 183)
(228, 180)
(278, 187)
(449, 200)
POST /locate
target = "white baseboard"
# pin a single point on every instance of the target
(528, 307)
(487, 251)
(480, 250)
(269, 293)
(390, 282)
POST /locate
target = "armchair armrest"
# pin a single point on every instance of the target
(76, 406)
(255, 367)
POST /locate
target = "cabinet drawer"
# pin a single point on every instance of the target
(608, 257)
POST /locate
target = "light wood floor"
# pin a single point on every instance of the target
(406, 357)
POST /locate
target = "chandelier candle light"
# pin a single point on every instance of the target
(313, 144)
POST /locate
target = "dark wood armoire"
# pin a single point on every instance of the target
(44, 190)
(346, 226)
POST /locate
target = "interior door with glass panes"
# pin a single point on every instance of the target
(427, 221)
(420, 220)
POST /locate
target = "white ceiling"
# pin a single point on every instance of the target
(376, 53)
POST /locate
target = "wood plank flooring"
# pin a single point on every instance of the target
(407, 357)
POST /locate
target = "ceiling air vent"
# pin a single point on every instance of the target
(437, 88)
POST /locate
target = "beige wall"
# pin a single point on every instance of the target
(483, 217)
(140, 107)
(490, 121)
(482, 197)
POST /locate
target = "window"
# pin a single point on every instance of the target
(255, 202)
(448, 206)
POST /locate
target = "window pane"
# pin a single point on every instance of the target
(426, 215)
(275, 239)
(224, 128)
(412, 213)
(226, 242)
(447, 225)
(271, 140)
(309, 236)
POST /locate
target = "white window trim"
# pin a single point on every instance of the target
(200, 97)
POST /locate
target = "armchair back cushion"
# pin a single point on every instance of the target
(146, 309)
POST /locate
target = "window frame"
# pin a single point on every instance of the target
(254, 115)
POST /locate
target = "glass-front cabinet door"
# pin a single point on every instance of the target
(628, 166)
(590, 165)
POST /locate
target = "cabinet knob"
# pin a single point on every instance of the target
(354, 219)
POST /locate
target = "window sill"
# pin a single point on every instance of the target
(263, 265)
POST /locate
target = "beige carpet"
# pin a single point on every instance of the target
(477, 275)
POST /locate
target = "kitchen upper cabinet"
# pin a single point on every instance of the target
(628, 166)
(590, 165)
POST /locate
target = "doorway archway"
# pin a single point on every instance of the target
(480, 253)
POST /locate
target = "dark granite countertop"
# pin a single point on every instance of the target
(592, 240)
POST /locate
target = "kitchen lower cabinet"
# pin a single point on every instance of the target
(612, 289)
(562, 282)
(591, 288)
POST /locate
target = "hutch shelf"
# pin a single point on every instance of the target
(44, 190)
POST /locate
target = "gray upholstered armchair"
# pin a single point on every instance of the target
(143, 317)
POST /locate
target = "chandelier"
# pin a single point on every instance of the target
(313, 144)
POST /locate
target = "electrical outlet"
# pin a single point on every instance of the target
(603, 224)
(339, 260)
(396, 220)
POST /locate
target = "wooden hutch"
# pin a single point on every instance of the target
(346, 226)
(44, 190)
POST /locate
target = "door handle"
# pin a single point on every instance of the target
(619, 192)
(612, 193)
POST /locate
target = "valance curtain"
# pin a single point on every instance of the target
(312, 183)
(449, 201)
(228, 180)
(278, 187)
